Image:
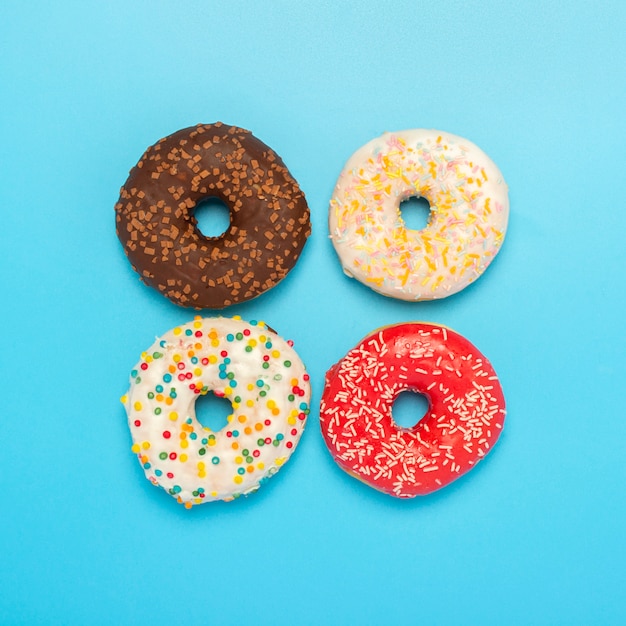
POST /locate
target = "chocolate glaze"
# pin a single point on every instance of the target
(269, 217)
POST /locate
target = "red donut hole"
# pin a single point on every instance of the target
(409, 408)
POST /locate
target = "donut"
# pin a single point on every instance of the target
(269, 217)
(464, 419)
(469, 210)
(247, 363)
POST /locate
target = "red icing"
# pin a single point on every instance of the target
(462, 424)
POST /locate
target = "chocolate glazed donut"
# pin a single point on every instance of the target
(269, 217)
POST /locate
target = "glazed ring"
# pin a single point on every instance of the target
(469, 210)
(269, 217)
(464, 420)
(247, 363)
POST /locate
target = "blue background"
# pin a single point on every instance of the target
(535, 534)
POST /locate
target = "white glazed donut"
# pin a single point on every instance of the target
(247, 363)
(469, 214)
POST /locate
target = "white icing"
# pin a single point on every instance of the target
(191, 459)
(469, 214)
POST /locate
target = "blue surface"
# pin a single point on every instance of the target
(534, 535)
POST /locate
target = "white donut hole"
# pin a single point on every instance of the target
(415, 212)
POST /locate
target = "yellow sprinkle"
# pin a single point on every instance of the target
(183, 458)
(135, 448)
(145, 445)
(184, 443)
(124, 399)
(178, 330)
(173, 416)
(238, 479)
(137, 406)
(197, 323)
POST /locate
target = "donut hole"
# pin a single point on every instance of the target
(213, 411)
(415, 212)
(212, 217)
(409, 408)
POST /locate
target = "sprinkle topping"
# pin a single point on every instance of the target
(464, 420)
(269, 217)
(469, 214)
(231, 358)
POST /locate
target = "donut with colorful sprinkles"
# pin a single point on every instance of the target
(249, 364)
(464, 419)
(469, 209)
(156, 224)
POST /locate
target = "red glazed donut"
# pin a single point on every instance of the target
(464, 420)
